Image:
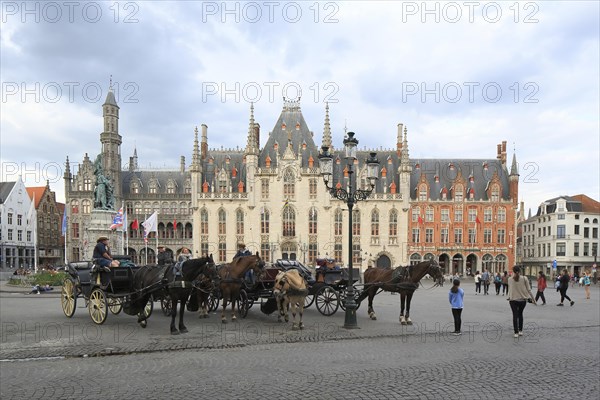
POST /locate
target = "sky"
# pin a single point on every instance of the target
(461, 76)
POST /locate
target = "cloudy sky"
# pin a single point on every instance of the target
(462, 76)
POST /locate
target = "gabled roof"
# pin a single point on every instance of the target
(5, 189)
(36, 193)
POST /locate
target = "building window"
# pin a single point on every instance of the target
(586, 249)
(458, 193)
(393, 223)
(223, 251)
(355, 223)
(429, 214)
(458, 214)
(239, 222)
(457, 235)
(86, 206)
(445, 215)
(487, 236)
(502, 214)
(337, 252)
(289, 222)
(561, 249)
(19, 219)
(222, 185)
(338, 223)
(222, 222)
(75, 230)
(415, 235)
(375, 223)
(264, 189)
(264, 221)
(19, 235)
(472, 214)
(356, 259)
(28, 236)
(487, 214)
(429, 235)
(9, 234)
(312, 253)
(560, 231)
(594, 249)
(576, 249)
(594, 233)
(152, 188)
(312, 188)
(416, 212)
(423, 193)
(444, 235)
(586, 232)
(495, 194)
(576, 229)
(501, 237)
(74, 210)
(312, 221)
(472, 235)
(560, 216)
(289, 185)
(265, 252)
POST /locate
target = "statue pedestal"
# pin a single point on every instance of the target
(100, 222)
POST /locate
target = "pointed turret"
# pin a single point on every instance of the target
(513, 180)
(399, 140)
(327, 129)
(404, 160)
(195, 167)
(514, 170)
(252, 144)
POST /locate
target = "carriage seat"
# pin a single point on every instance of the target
(81, 265)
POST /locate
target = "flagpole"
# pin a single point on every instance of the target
(123, 227)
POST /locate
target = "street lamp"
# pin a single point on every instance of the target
(350, 196)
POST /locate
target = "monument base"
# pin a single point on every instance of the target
(100, 222)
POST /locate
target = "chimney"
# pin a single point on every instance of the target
(499, 152)
(204, 142)
(182, 165)
(503, 152)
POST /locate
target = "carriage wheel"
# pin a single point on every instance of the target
(213, 302)
(243, 304)
(308, 300)
(165, 305)
(114, 305)
(68, 299)
(327, 301)
(98, 306)
(343, 293)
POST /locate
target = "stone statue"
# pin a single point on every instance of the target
(103, 190)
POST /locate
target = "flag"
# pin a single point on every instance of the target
(118, 220)
(124, 227)
(64, 222)
(174, 223)
(287, 203)
(150, 225)
(135, 224)
(420, 220)
(477, 221)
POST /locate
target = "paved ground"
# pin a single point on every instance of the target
(45, 355)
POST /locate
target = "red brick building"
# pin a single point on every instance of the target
(463, 212)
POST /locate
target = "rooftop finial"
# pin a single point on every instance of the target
(110, 83)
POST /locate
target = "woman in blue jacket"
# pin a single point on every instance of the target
(455, 296)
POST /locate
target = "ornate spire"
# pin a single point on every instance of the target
(327, 128)
(195, 167)
(404, 161)
(252, 145)
(514, 170)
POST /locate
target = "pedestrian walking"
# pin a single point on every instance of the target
(586, 284)
(456, 296)
(485, 281)
(518, 293)
(505, 283)
(477, 282)
(564, 285)
(541, 285)
(498, 283)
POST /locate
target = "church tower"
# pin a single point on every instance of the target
(111, 143)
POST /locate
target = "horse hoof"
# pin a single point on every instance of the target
(175, 332)
(223, 321)
(408, 322)
(233, 319)
(184, 330)
(373, 316)
(301, 326)
(143, 323)
(295, 328)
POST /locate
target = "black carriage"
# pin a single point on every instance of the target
(327, 290)
(103, 289)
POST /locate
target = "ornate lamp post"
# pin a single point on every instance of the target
(351, 195)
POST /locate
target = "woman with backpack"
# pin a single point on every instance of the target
(498, 283)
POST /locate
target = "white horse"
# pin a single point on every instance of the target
(290, 290)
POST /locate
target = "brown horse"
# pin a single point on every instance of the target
(231, 278)
(403, 280)
(290, 290)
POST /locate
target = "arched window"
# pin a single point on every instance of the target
(501, 214)
(393, 223)
(222, 222)
(203, 222)
(416, 212)
(415, 258)
(312, 221)
(487, 261)
(239, 222)
(289, 184)
(338, 222)
(355, 222)
(265, 217)
(289, 222)
(429, 214)
(487, 214)
(501, 262)
(459, 193)
(74, 207)
(375, 223)
(85, 206)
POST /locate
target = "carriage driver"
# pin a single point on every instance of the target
(243, 251)
(102, 255)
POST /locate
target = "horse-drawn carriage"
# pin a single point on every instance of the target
(105, 289)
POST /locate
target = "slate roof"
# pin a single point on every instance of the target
(577, 203)
(5, 189)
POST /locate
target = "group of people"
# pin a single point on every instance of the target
(485, 279)
(519, 294)
(103, 257)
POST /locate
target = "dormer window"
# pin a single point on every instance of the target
(297, 126)
(451, 166)
(458, 193)
(283, 126)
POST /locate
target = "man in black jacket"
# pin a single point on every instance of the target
(564, 285)
(163, 257)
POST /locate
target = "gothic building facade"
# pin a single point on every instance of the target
(272, 197)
